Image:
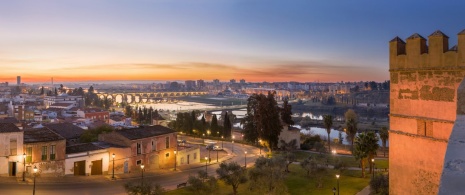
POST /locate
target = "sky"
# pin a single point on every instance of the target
(255, 40)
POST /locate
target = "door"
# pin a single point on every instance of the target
(80, 168)
(96, 167)
(126, 167)
(188, 158)
(12, 168)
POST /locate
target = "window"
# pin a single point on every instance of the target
(13, 147)
(139, 162)
(52, 152)
(28, 154)
(44, 152)
(421, 127)
(154, 145)
(167, 142)
(167, 155)
(195, 155)
(139, 148)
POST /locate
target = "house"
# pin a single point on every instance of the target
(86, 159)
(152, 146)
(70, 132)
(93, 113)
(63, 98)
(11, 150)
(44, 149)
(289, 133)
(187, 154)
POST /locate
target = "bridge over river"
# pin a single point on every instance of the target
(146, 97)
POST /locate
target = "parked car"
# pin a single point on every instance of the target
(217, 148)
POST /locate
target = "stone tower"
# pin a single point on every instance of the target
(425, 75)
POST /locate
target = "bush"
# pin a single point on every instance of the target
(380, 185)
(146, 189)
(340, 165)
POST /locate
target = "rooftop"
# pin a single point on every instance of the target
(9, 120)
(144, 132)
(8, 128)
(78, 148)
(61, 104)
(40, 135)
(66, 130)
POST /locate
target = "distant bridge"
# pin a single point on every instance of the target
(143, 97)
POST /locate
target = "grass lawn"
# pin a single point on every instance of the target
(349, 160)
(298, 183)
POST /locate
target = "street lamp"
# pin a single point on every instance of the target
(373, 168)
(113, 174)
(175, 159)
(260, 143)
(222, 139)
(34, 189)
(142, 168)
(206, 161)
(233, 143)
(337, 177)
(24, 167)
(203, 137)
(245, 158)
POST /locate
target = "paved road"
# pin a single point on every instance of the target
(168, 180)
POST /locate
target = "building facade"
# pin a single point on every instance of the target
(11, 150)
(152, 146)
(423, 103)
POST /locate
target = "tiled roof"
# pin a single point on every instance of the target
(82, 148)
(40, 135)
(8, 128)
(61, 104)
(438, 33)
(144, 132)
(416, 35)
(66, 130)
(9, 120)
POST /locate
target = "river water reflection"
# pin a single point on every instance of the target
(334, 134)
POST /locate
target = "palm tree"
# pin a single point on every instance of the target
(351, 131)
(328, 122)
(365, 147)
(384, 135)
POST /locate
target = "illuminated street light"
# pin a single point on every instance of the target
(34, 189)
(113, 175)
(373, 168)
(337, 178)
(206, 161)
(142, 168)
(245, 159)
(175, 159)
(24, 167)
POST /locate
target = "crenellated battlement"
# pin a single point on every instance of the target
(419, 53)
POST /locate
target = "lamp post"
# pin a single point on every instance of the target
(113, 174)
(233, 143)
(24, 167)
(175, 159)
(260, 146)
(334, 190)
(206, 161)
(142, 168)
(222, 139)
(203, 135)
(242, 135)
(337, 178)
(373, 168)
(216, 155)
(34, 189)
(245, 158)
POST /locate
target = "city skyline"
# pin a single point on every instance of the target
(182, 40)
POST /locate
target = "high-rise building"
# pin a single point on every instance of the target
(189, 84)
(216, 82)
(200, 84)
(18, 80)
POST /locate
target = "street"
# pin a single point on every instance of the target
(168, 180)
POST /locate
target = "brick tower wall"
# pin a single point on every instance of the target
(424, 82)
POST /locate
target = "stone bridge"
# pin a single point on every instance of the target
(143, 97)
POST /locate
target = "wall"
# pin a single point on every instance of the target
(47, 167)
(424, 80)
(88, 157)
(5, 155)
(181, 156)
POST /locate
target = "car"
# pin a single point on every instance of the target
(217, 148)
(210, 146)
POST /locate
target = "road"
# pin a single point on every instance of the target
(103, 187)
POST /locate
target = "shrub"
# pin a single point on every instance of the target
(380, 185)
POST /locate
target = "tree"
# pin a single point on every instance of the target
(251, 131)
(202, 184)
(267, 176)
(384, 135)
(232, 174)
(91, 135)
(214, 125)
(146, 189)
(351, 126)
(310, 165)
(328, 122)
(91, 90)
(288, 148)
(286, 113)
(365, 147)
(227, 126)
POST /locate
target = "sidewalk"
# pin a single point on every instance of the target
(365, 191)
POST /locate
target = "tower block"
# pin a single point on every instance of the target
(425, 75)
